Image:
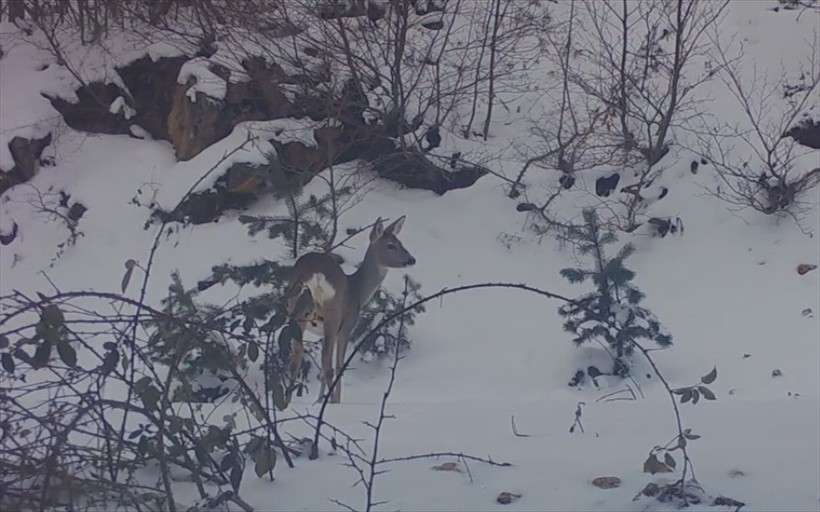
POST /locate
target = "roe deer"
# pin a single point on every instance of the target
(325, 300)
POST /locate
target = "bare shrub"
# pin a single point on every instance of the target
(626, 83)
(758, 165)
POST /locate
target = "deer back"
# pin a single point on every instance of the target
(318, 288)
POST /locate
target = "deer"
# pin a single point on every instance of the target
(326, 301)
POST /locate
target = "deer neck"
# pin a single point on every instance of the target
(367, 278)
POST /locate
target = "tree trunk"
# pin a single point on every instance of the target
(493, 44)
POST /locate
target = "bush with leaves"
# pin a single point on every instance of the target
(611, 313)
(203, 369)
(68, 442)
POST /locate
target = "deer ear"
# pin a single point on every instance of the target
(377, 231)
(396, 226)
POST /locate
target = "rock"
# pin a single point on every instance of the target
(567, 180)
(428, 6)
(193, 127)
(607, 482)
(204, 207)
(151, 84)
(805, 267)
(505, 498)
(261, 98)
(806, 132)
(158, 105)
(723, 501)
(432, 21)
(92, 112)
(7, 238)
(238, 188)
(606, 184)
(244, 178)
(413, 170)
(309, 159)
(652, 489)
(777, 373)
(333, 9)
(26, 154)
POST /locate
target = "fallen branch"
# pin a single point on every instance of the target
(434, 455)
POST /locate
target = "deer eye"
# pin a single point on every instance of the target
(392, 247)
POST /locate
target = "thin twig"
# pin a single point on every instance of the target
(515, 430)
(433, 455)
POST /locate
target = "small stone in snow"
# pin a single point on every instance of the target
(652, 489)
(805, 267)
(607, 482)
(505, 498)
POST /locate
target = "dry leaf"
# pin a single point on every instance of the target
(805, 267)
(505, 498)
(607, 482)
(448, 466)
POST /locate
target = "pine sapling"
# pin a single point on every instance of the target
(612, 312)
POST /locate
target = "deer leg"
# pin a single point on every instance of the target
(330, 331)
(341, 350)
(299, 308)
(295, 360)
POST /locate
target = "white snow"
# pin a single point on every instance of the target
(205, 80)
(23, 111)
(120, 106)
(727, 290)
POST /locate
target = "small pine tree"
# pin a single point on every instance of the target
(393, 335)
(612, 312)
(305, 226)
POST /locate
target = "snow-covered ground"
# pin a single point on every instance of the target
(727, 290)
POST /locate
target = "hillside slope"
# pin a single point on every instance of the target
(726, 289)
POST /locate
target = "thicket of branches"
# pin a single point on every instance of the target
(758, 161)
(109, 402)
(624, 83)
